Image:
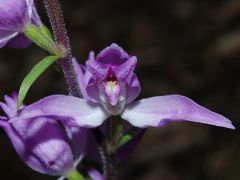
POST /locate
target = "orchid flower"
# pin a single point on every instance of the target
(14, 16)
(42, 143)
(109, 87)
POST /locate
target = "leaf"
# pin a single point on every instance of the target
(124, 139)
(44, 29)
(42, 37)
(36, 71)
(118, 132)
(75, 175)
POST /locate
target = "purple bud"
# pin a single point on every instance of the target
(14, 16)
(42, 143)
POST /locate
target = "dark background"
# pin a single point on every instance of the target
(188, 47)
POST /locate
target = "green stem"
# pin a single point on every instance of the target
(75, 175)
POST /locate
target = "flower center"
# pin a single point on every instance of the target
(112, 94)
(112, 89)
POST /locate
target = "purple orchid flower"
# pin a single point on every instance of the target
(42, 143)
(109, 87)
(14, 16)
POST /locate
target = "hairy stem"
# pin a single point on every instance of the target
(109, 164)
(61, 36)
(108, 158)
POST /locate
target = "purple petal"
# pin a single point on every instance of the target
(3, 118)
(91, 55)
(30, 7)
(6, 109)
(20, 41)
(133, 89)
(112, 55)
(84, 77)
(124, 71)
(6, 36)
(10, 107)
(158, 111)
(34, 14)
(98, 70)
(42, 145)
(93, 91)
(3, 121)
(95, 175)
(70, 110)
(10, 102)
(78, 138)
(40, 142)
(13, 14)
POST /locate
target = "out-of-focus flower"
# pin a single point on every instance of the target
(95, 175)
(42, 143)
(109, 86)
(15, 15)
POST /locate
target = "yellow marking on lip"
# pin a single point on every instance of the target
(112, 85)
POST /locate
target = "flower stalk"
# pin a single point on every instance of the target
(109, 164)
(108, 157)
(61, 36)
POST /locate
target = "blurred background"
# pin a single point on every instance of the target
(188, 47)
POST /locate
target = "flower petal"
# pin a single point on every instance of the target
(91, 55)
(6, 36)
(98, 70)
(159, 111)
(13, 14)
(70, 110)
(133, 89)
(10, 102)
(78, 137)
(92, 90)
(6, 109)
(84, 77)
(124, 71)
(20, 41)
(95, 174)
(10, 105)
(113, 54)
(3, 118)
(41, 144)
(32, 10)
(3, 121)
(30, 5)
